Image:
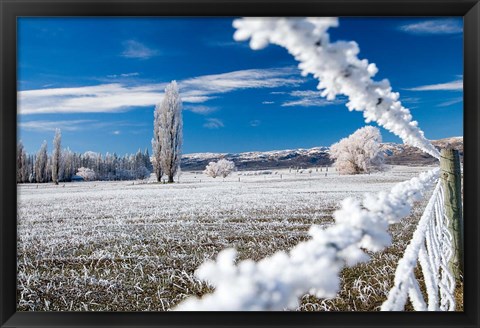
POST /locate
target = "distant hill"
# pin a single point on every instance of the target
(395, 154)
(399, 154)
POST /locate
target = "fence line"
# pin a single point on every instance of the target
(278, 281)
(339, 71)
(431, 246)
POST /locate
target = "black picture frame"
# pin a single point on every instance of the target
(10, 10)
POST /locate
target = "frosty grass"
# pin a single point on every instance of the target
(133, 246)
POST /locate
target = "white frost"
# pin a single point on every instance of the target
(431, 247)
(277, 282)
(337, 66)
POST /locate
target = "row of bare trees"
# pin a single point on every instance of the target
(63, 164)
(359, 153)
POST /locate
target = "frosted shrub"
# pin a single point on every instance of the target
(86, 173)
(142, 173)
(359, 153)
(211, 170)
(221, 168)
(265, 172)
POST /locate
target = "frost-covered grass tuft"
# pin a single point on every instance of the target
(111, 246)
(366, 285)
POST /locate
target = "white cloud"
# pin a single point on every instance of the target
(47, 126)
(255, 123)
(451, 102)
(268, 102)
(116, 132)
(200, 109)
(117, 97)
(135, 49)
(410, 100)
(223, 44)
(213, 123)
(310, 98)
(76, 125)
(114, 76)
(308, 103)
(305, 93)
(113, 97)
(195, 99)
(436, 26)
(456, 85)
(244, 79)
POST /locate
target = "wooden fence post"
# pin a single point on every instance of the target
(451, 178)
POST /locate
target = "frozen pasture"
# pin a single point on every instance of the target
(134, 245)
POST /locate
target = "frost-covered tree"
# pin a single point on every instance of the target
(156, 168)
(157, 144)
(56, 156)
(86, 173)
(211, 170)
(108, 167)
(226, 167)
(48, 170)
(147, 162)
(67, 169)
(30, 177)
(170, 131)
(141, 172)
(22, 175)
(359, 153)
(26, 165)
(221, 168)
(19, 156)
(41, 164)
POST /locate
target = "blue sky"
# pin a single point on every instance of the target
(98, 79)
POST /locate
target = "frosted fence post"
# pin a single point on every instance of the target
(451, 178)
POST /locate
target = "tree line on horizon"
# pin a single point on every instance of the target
(359, 153)
(42, 167)
(64, 165)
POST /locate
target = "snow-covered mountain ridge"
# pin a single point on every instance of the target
(317, 156)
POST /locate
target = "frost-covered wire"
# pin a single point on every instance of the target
(277, 282)
(430, 246)
(339, 70)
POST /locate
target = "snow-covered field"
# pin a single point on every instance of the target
(133, 246)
